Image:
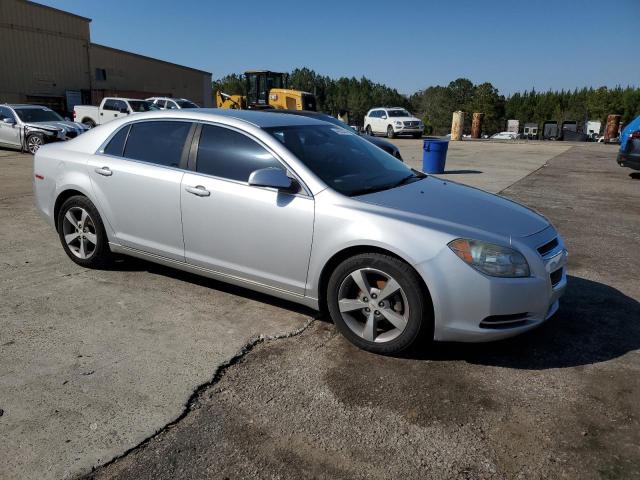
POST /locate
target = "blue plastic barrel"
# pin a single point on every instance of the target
(434, 155)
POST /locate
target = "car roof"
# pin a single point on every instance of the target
(23, 105)
(256, 118)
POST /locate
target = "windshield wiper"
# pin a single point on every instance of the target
(379, 188)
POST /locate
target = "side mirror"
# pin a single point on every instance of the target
(9, 121)
(270, 177)
(384, 117)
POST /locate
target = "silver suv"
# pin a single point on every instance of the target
(307, 211)
(28, 127)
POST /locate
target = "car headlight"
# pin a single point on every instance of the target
(490, 259)
(398, 123)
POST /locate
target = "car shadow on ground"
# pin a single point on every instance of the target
(595, 323)
(458, 172)
(131, 264)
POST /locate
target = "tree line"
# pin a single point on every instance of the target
(435, 104)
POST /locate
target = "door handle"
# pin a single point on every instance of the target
(198, 190)
(104, 171)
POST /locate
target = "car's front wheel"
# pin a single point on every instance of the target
(82, 234)
(34, 142)
(368, 130)
(390, 132)
(377, 303)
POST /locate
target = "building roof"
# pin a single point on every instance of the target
(56, 10)
(124, 52)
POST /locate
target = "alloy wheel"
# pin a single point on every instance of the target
(79, 232)
(373, 305)
(34, 142)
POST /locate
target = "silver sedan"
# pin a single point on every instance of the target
(309, 212)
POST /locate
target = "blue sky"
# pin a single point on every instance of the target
(406, 45)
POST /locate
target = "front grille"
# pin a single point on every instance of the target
(505, 321)
(556, 277)
(548, 247)
(410, 124)
(72, 134)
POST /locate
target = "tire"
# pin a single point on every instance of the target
(87, 122)
(407, 305)
(390, 132)
(368, 131)
(84, 239)
(34, 142)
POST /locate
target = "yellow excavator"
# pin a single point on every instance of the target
(266, 89)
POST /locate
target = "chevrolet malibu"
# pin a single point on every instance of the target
(308, 212)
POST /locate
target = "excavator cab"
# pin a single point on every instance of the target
(259, 84)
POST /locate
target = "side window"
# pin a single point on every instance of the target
(228, 154)
(119, 105)
(171, 105)
(157, 142)
(109, 105)
(116, 144)
(5, 113)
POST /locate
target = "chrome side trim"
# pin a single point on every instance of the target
(224, 277)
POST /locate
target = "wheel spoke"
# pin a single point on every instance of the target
(70, 237)
(91, 237)
(81, 251)
(369, 332)
(360, 279)
(72, 220)
(395, 318)
(350, 304)
(391, 287)
(83, 218)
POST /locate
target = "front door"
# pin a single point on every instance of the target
(137, 185)
(254, 233)
(9, 132)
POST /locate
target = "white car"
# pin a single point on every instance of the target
(392, 122)
(166, 103)
(504, 136)
(109, 109)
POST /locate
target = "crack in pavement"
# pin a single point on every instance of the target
(193, 399)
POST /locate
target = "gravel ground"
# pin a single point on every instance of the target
(559, 402)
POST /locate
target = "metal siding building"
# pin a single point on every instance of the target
(46, 57)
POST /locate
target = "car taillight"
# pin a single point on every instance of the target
(74, 114)
(635, 135)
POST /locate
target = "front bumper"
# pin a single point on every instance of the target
(472, 307)
(629, 160)
(404, 129)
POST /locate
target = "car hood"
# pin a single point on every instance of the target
(405, 119)
(453, 203)
(58, 125)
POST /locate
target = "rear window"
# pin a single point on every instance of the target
(157, 142)
(116, 144)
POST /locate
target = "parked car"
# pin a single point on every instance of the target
(109, 109)
(629, 153)
(28, 127)
(378, 142)
(505, 136)
(167, 103)
(392, 122)
(302, 210)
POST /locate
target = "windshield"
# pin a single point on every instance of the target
(398, 113)
(342, 159)
(186, 104)
(142, 106)
(29, 115)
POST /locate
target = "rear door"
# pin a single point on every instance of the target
(136, 180)
(258, 234)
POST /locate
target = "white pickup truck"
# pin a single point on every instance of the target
(110, 108)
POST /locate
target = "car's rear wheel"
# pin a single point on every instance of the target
(368, 130)
(82, 234)
(390, 132)
(377, 303)
(34, 142)
(88, 123)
